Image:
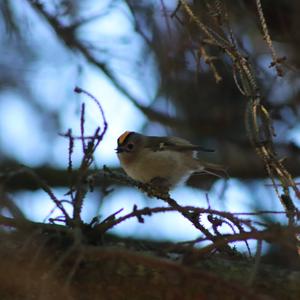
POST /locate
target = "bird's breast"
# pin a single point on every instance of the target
(149, 164)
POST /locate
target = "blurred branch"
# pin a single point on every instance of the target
(121, 268)
(243, 167)
(279, 235)
(40, 183)
(68, 35)
(8, 15)
(23, 224)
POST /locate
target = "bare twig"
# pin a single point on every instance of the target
(43, 185)
(276, 61)
(80, 187)
(271, 234)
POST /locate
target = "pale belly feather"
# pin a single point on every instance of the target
(166, 164)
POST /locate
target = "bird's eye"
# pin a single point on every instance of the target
(130, 146)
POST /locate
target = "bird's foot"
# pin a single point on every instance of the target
(161, 185)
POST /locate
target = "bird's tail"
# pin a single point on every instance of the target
(212, 169)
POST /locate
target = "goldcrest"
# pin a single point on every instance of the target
(165, 161)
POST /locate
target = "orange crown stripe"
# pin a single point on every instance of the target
(123, 137)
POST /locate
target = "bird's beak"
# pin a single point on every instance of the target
(119, 149)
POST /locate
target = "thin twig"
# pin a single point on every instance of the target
(267, 38)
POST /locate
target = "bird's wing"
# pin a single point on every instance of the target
(175, 144)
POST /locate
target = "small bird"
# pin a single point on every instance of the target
(162, 161)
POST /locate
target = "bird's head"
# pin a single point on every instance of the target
(129, 144)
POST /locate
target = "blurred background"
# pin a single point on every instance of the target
(148, 68)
